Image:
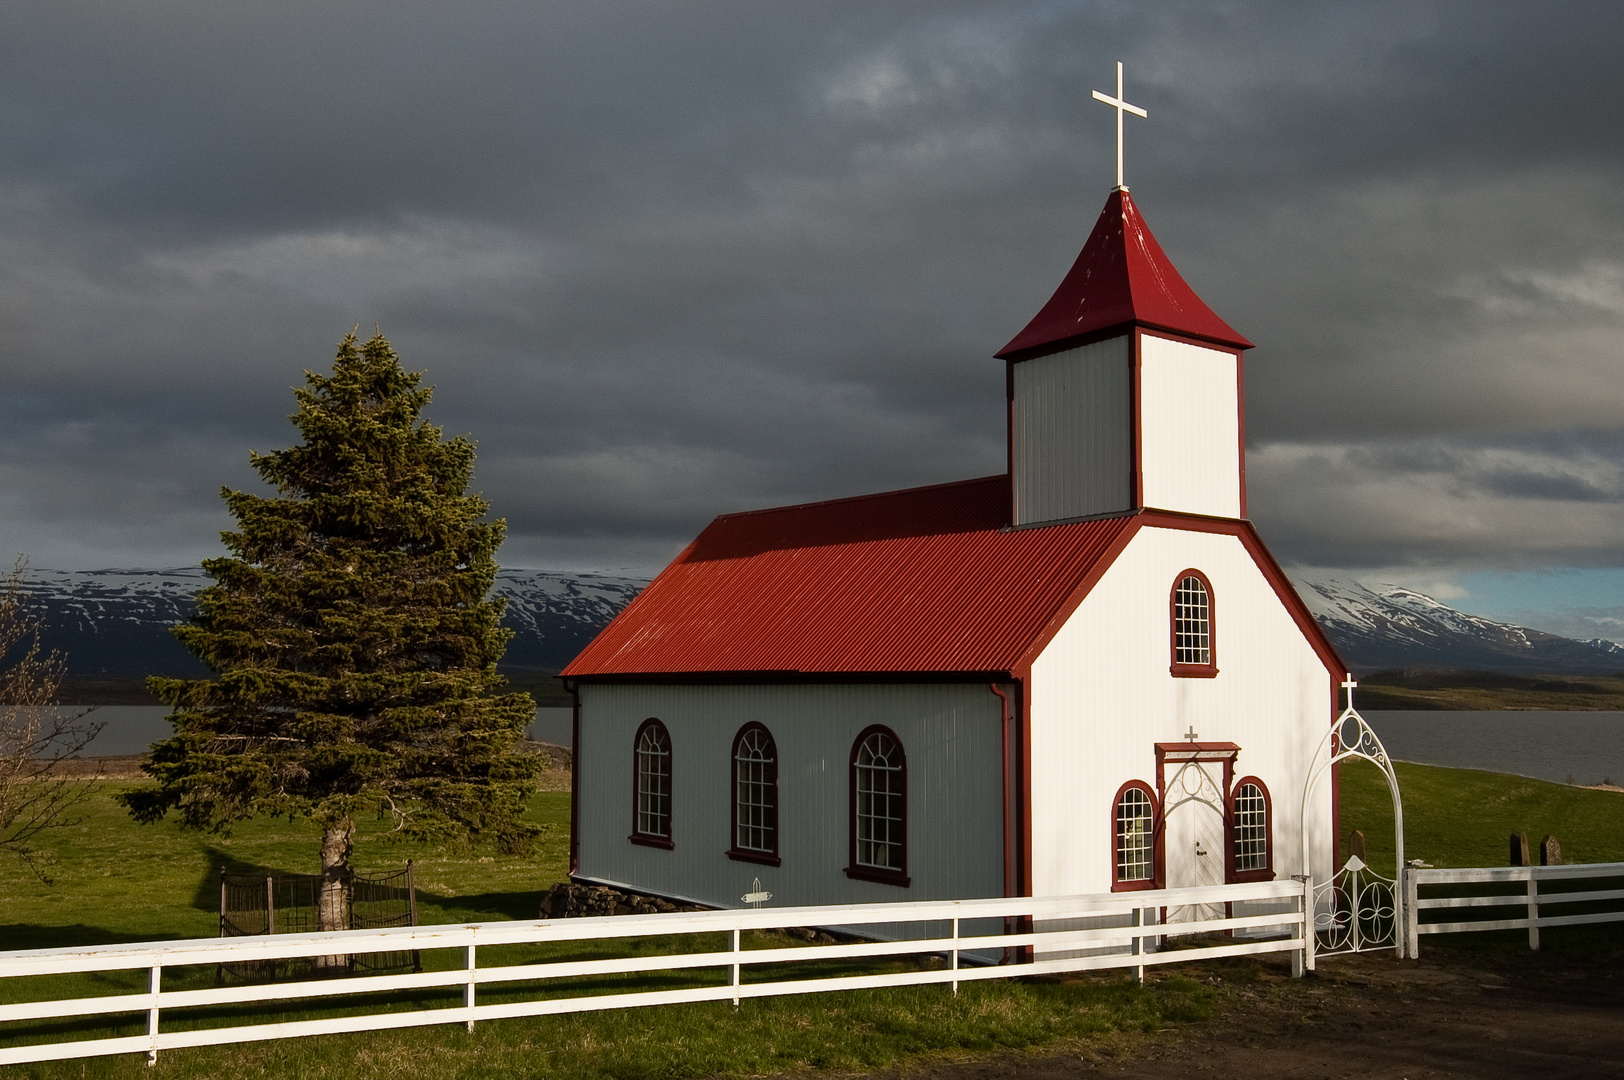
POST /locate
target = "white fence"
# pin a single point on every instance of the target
(1531, 898)
(1023, 936)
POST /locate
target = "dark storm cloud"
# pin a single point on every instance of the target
(665, 261)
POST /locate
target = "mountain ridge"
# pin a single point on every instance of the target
(114, 624)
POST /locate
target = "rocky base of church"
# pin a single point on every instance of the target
(569, 900)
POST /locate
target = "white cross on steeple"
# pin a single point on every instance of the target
(1121, 107)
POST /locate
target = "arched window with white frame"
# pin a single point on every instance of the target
(1251, 841)
(1192, 626)
(755, 796)
(1134, 837)
(651, 772)
(879, 808)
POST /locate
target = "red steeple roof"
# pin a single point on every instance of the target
(1122, 276)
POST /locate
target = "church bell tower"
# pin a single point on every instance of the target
(1125, 389)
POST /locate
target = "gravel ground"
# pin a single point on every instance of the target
(1451, 1014)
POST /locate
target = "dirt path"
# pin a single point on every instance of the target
(1541, 1016)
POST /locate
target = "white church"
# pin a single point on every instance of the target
(1086, 674)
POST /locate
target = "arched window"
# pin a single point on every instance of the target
(1251, 848)
(1133, 837)
(651, 816)
(1194, 655)
(755, 796)
(879, 808)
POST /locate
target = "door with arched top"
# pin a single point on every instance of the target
(1194, 819)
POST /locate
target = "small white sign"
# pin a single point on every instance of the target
(756, 895)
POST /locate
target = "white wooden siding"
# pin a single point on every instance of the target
(1190, 428)
(1072, 433)
(950, 735)
(1102, 696)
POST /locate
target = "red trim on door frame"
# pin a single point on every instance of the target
(1182, 752)
(1231, 874)
(1208, 670)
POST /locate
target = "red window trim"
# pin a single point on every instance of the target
(1192, 671)
(873, 873)
(734, 851)
(1231, 874)
(637, 836)
(1153, 881)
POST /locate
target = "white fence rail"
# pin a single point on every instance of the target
(1531, 899)
(1027, 936)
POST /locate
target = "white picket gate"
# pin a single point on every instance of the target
(1531, 898)
(1029, 936)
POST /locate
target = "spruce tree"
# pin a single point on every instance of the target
(352, 639)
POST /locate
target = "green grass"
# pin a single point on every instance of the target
(117, 881)
(1462, 817)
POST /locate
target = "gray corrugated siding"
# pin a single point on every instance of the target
(1072, 431)
(950, 734)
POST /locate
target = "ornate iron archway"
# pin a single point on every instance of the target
(1358, 909)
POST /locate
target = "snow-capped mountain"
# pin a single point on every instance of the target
(1393, 627)
(116, 622)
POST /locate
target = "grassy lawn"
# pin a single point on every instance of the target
(117, 881)
(1462, 817)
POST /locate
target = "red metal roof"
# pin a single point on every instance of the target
(924, 580)
(1122, 276)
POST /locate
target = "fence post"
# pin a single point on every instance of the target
(468, 990)
(270, 904)
(1308, 920)
(1533, 910)
(154, 984)
(1299, 956)
(1138, 944)
(1412, 912)
(736, 967)
(955, 956)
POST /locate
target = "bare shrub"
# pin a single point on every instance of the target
(36, 734)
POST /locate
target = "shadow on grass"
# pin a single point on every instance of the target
(484, 906)
(16, 936)
(207, 896)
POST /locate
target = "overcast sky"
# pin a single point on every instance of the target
(667, 260)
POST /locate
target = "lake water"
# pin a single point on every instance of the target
(1565, 747)
(130, 729)
(1587, 747)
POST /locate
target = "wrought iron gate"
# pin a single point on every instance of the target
(1358, 910)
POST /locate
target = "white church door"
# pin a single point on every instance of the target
(1193, 820)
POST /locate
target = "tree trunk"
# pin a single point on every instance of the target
(333, 900)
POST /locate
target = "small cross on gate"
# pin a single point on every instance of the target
(1121, 107)
(1348, 684)
(1191, 734)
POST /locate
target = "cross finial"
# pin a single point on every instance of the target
(1121, 107)
(1348, 684)
(1191, 734)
